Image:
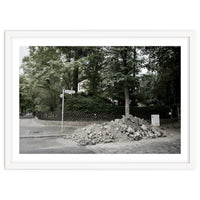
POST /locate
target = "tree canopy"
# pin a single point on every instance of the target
(114, 74)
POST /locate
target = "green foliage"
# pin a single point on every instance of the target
(92, 70)
(165, 61)
(143, 112)
(107, 72)
(43, 69)
(147, 84)
(123, 65)
(87, 103)
(98, 104)
(147, 111)
(26, 101)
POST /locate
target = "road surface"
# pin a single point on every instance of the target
(44, 137)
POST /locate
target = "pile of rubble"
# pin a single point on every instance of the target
(126, 129)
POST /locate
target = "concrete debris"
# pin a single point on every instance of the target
(119, 130)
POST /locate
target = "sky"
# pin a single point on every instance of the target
(23, 52)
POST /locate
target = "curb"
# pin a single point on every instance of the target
(41, 136)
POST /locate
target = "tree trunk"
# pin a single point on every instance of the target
(127, 101)
(75, 79)
(78, 54)
(134, 75)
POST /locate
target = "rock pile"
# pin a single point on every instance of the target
(126, 129)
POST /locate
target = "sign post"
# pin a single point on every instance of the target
(62, 109)
(62, 96)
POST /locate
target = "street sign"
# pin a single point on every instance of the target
(70, 91)
(61, 95)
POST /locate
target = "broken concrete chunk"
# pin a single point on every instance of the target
(83, 143)
(126, 129)
(108, 140)
(143, 127)
(130, 130)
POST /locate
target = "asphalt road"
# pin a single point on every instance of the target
(37, 137)
(51, 145)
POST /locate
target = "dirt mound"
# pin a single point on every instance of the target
(125, 129)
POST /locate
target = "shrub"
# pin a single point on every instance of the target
(87, 104)
(98, 104)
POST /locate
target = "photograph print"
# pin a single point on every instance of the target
(100, 100)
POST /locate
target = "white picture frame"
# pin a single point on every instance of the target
(14, 160)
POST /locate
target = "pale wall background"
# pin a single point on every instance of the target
(84, 15)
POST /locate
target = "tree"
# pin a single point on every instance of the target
(112, 73)
(122, 67)
(91, 69)
(74, 54)
(25, 95)
(43, 69)
(165, 62)
(147, 84)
